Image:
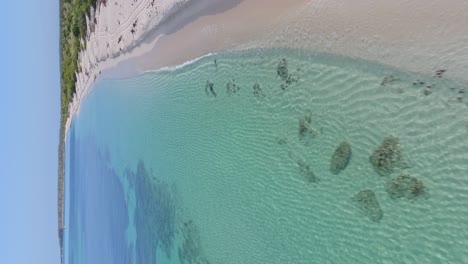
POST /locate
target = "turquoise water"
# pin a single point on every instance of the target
(230, 162)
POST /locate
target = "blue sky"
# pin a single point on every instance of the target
(29, 128)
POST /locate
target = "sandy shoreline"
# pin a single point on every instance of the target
(411, 35)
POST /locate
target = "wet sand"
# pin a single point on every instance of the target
(409, 35)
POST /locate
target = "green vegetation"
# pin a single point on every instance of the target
(72, 30)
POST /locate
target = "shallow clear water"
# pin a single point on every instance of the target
(161, 170)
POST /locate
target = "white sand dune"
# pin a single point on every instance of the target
(132, 36)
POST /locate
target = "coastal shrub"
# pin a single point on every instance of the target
(72, 29)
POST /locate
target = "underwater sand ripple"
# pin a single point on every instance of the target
(233, 172)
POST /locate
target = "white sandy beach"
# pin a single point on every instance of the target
(133, 36)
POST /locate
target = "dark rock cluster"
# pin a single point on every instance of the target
(439, 73)
(405, 186)
(257, 91)
(388, 80)
(232, 87)
(282, 69)
(367, 202)
(283, 72)
(209, 88)
(386, 156)
(340, 158)
(461, 95)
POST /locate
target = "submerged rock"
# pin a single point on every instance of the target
(283, 72)
(209, 88)
(387, 156)
(290, 80)
(340, 158)
(305, 127)
(389, 80)
(405, 186)
(439, 73)
(307, 172)
(232, 87)
(282, 139)
(282, 69)
(367, 202)
(257, 91)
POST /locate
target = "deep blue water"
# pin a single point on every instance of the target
(99, 219)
